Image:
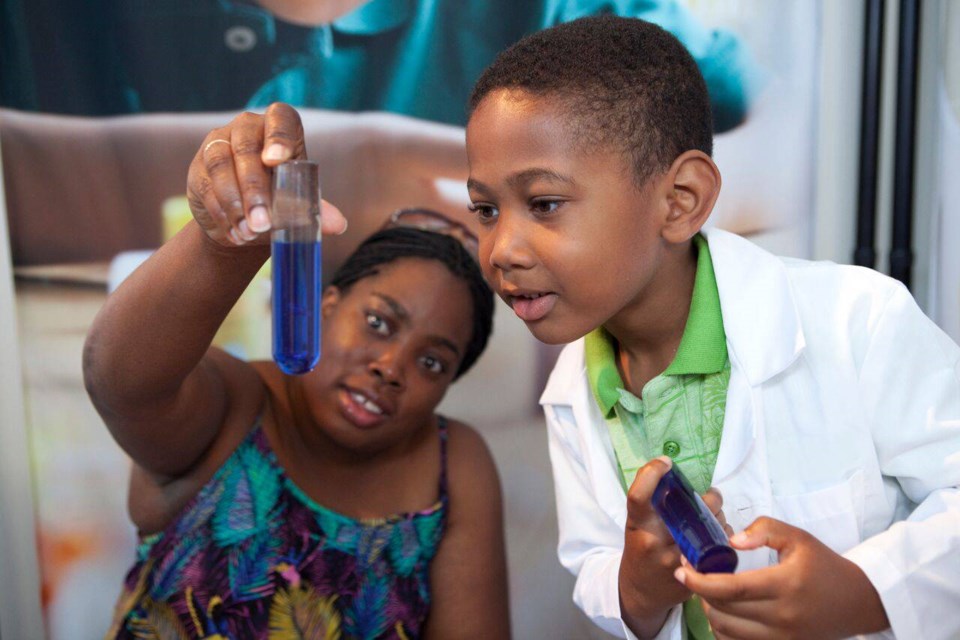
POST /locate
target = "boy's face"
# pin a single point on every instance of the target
(566, 238)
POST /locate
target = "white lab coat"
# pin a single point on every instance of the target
(842, 418)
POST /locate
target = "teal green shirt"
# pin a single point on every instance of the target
(679, 413)
(415, 57)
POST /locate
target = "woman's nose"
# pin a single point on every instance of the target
(386, 366)
(510, 247)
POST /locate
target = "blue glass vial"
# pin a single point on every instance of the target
(697, 531)
(296, 276)
(296, 300)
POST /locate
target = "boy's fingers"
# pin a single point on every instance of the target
(641, 491)
(759, 584)
(283, 135)
(714, 500)
(767, 532)
(741, 627)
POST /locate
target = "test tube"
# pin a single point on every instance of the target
(295, 252)
(696, 530)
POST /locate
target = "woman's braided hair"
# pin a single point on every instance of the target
(388, 245)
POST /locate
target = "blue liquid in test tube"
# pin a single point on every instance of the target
(295, 251)
(296, 299)
(697, 531)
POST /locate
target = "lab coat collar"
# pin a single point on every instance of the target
(760, 316)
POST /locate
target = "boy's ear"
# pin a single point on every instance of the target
(331, 296)
(694, 184)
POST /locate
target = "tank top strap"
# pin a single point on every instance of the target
(442, 425)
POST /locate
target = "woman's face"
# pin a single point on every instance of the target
(391, 345)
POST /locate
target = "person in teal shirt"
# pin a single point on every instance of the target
(413, 57)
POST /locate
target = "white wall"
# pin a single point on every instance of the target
(20, 615)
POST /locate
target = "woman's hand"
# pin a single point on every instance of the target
(812, 593)
(228, 184)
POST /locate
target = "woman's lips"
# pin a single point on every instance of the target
(533, 308)
(360, 409)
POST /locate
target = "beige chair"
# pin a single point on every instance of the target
(84, 189)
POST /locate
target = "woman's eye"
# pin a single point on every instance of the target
(542, 207)
(485, 212)
(433, 365)
(378, 324)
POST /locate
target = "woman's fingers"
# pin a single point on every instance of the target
(253, 178)
(203, 202)
(332, 221)
(229, 182)
(219, 162)
(282, 135)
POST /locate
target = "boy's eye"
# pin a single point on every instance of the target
(377, 323)
(433, 365)
(485, 212)
(542, 207)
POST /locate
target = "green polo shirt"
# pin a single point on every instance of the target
(680, 412)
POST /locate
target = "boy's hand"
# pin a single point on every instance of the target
(650, 556)
(812, 593)
(228, 184)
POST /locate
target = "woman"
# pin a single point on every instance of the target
(331, 504)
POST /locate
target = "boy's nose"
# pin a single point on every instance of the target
(510, 248)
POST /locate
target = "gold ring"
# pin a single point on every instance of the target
(213, 142)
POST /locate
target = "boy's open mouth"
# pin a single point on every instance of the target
(531, 306)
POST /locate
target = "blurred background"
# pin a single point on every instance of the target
(837, 133)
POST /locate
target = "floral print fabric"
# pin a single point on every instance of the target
(251, 556)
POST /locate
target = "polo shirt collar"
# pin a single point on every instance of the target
(375, 16)
(370, 18)
(703, 346)
(602, 370)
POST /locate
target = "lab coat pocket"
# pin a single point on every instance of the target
(834, 514)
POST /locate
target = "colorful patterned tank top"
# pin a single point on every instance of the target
(252, 556)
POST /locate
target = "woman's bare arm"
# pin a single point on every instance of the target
(146, 363)
(469, 574)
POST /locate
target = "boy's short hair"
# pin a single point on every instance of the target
(625, 82)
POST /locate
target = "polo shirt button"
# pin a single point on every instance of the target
(240, 38)
(671, 448)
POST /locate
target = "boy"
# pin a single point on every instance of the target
(817, 398)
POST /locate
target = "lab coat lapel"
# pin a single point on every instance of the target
(760, 316)
(764, 337)
(568, 387)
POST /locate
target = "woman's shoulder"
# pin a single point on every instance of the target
(465, 442)
(471, 469)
